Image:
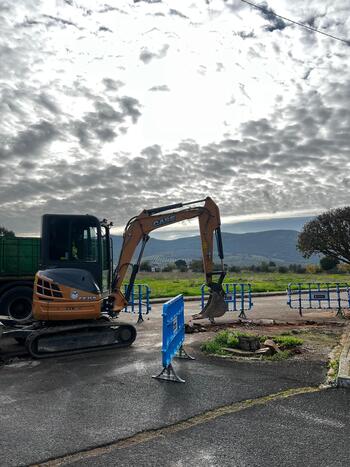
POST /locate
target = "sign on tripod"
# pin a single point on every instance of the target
(173, 338)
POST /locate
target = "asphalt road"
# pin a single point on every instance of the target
(309, 429)
(56, 407)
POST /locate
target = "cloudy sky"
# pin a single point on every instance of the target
(109, 107)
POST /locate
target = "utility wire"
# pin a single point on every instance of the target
(271, 12)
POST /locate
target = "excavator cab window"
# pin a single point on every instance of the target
(78, 242)
(72, 240)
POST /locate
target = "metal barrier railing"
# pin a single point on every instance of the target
(318, 295)
(238, 296)
(139, 300)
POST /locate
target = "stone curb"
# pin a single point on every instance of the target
(343, 378)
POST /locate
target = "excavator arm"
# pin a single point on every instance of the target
(137, 231)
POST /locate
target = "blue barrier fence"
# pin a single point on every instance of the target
(173, 338)
(139, 300)
(173, 328)
(318, 295)
(238, 296)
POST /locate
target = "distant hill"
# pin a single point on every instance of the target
(240, 249)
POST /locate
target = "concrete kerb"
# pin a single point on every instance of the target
(343, 378)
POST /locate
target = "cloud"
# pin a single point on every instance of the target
(31, 141)
(174, 12)
(55, 21)
(269, 168)
(102, 124)
(245, 35)
(162, 87)
(112, 85)
(80, 128)
(269, 15)
(146, 56)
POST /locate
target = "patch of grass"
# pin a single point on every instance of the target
(277, 357)
(212, 347)
(222, 339)
(170, 284)
(288, 341)
(230, 339)
(334, 365)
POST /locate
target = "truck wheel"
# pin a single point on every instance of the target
(17, 304)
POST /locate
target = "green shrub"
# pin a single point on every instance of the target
(334, 365)
(232, 341)
(212, 347)
(221, 338)
(288, 341)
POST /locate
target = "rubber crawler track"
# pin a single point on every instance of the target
(34, 337)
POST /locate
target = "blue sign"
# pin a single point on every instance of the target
(173, 328)
(173, 338)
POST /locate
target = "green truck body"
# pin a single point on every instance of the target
(19, 261)
(19, 256)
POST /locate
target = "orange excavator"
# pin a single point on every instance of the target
(77, 294)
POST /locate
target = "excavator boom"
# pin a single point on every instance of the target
(137, 230)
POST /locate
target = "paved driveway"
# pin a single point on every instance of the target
(56, 407)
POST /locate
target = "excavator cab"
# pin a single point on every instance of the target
(76, 266)
(77, 242)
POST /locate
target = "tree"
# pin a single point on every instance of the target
(169, 267)
(327, 263)
(145, 266)
(312, 268)
(264, 267)
(235, 269)
(329, 234)
(5, 232)
(181, 265)
(196, 265)
(298, 268)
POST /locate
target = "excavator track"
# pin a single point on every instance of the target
(61, 340)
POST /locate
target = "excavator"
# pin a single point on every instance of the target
(77, 294)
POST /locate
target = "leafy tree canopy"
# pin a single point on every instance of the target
(5, 232)
(145, 266)
(327, 263)
(329, 234)
(196, 265)
(181, 264)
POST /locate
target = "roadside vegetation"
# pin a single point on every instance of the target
(229, 339)
(170, 284)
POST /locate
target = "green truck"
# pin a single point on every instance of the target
(19, 261)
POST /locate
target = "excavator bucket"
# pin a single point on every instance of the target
(215, 307)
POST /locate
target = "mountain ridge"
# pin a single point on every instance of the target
(242, 249)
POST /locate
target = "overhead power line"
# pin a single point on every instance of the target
(271, 12)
